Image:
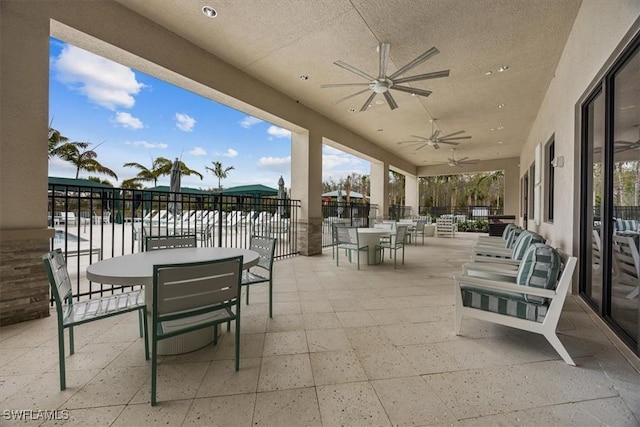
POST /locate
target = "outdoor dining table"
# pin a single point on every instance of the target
(371, 238)
(137, 269)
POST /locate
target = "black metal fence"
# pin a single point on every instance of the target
(468, 212)
(92, 223)
(353, 214)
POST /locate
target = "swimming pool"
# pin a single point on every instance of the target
(59, 237)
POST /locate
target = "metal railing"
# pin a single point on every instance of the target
(93, 223)
(468, 212)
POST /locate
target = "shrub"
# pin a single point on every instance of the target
(475, 226)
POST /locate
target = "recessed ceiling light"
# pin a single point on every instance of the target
(503, 68)
(500, 127)
(379, 102)
(209, 12)
(488, 73)
(500, 105)
(304, 77)
(500, 142)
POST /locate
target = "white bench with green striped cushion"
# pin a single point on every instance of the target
(504, 255)
(533, 301)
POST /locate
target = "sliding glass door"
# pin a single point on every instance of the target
(610, 233)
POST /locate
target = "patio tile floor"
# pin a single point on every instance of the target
(345, 347)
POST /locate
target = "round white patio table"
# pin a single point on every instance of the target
(137, 269)
(371, 237)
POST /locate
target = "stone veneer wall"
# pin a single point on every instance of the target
(24, 287)
(310, 236)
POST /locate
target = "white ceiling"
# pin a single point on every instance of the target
(277, 41)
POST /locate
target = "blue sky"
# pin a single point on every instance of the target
(134, 117)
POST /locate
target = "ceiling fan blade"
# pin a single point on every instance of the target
(350, 96)
(390, 100)
(434, 75)
(453, 134)
(367, 102)
(419, 60)
(411, 90)
(456, 138)
(410, 142)
(463, 159)
(447, 142)
(435, 134)
(422, 146)
(384, 60)
(344, 85)
(354, 70)
(419, 137)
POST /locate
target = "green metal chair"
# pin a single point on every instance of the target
(263, 271)
(170, 242)
(395, 244)
(192, 296)
(72, 314)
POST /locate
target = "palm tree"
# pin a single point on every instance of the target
(219, 172)
(78, 154)
(56, 142)
(159, 167)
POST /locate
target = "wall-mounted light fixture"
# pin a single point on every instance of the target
(558, 162)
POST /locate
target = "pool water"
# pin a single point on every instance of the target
(60, 237)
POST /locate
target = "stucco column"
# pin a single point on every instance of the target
(411, 193)
(24, 104)
(306, 186)
(380, 188)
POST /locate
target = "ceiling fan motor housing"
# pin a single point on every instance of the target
(381, 86)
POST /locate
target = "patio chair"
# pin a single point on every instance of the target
(263, 271)
(72, 314)
(532, 303)
(170, 242)
(445, 227)
(626, 258)
(512, 256)
(395, 244)
(507, 234)
(347, 239)
(418, 230)
(192, 296)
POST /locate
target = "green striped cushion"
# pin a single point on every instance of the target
(526, 239)
(506, 303)
(539, 268)
(507, 229)
(513, 236)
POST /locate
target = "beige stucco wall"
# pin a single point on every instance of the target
(597, 31)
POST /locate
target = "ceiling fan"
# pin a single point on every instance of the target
(383, 83)
(435, 139)
(461, 161)
(620, 146)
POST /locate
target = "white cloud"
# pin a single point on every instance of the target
(278, 132)
(230, 153)
(274, 162)
(334, 161)
(326, 149)
(249, 122)
(127, 120)
(147, 144)
(185, 122)
(198, 152)
(103, 82)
